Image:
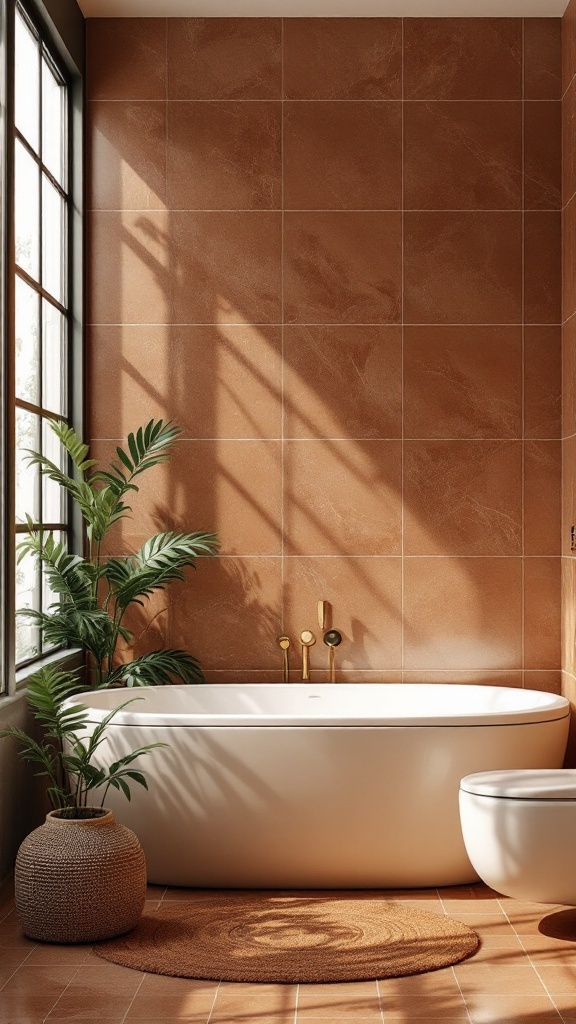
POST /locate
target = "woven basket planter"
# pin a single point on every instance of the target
(79, 879)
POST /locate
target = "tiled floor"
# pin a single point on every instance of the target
(521, 975)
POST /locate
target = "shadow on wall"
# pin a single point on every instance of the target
(299, 440)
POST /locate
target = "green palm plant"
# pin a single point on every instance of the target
(93, 592)
(68, 745)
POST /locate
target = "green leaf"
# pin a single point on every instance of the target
(68, 575)
(90, 629)
(147, 449)
(124, 458)
(73, 444)
(160, 561)
(138, 777)
(159, 668)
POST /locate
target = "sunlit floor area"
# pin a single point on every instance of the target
(521, 975)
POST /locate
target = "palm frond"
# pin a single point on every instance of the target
(158, 668)
(159, 561)
(150, 446)
(73, 444)
(70, 576)
(73, 627)
(48, 689)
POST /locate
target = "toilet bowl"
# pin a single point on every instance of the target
(519, 829)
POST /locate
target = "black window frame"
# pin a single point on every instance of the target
(59, 41)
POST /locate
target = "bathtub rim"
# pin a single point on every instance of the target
(553, 707)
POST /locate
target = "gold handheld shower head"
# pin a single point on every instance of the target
(307, 640)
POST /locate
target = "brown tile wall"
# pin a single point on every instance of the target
(569, 361)
(330, 250)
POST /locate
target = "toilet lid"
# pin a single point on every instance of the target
(524, 784)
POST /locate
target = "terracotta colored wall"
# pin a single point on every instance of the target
(569, 356)
(330, 250)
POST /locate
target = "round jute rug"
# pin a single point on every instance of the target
(264, 937)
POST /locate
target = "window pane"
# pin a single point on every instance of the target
(53, 124)
(27, 477)
(53, 508)
(27, 596)
(26, 212)
(27, 82)
(55, 359)
(53, 235)
(27, 314)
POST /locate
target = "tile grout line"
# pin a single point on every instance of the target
(568, 87)
(454, 975)
(532, 964)
(211, 1010)
(131, 1003)
(464, 1000)
(314, 209)
(523, 367)
(566, 204)
(424, 102)
(166, 121)
(282, 378)
(360, 440)
(378, 992)
(295, 324)
(397, 555)
(63, 992)
(402, 199)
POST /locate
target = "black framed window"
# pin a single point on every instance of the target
(42, 286)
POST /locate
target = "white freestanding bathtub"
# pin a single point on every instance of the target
(318, 786)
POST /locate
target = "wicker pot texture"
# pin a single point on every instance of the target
(79, 879)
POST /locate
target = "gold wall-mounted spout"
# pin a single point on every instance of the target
(307, 640)
(284, 642)
(322, 614)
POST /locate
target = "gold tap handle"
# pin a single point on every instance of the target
(332, 639)
(284, 642)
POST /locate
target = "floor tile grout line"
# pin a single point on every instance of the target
(463, 997)
(211, 1010)
(63, 992)
(532, 964)
(144, 975)
(378, 992)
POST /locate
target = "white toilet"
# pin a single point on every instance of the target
(519, 830)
